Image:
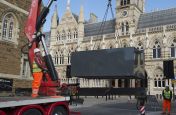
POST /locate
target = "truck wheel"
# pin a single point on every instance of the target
(58, 110)
(32, 112)
(2, 112)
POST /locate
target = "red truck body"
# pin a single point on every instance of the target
(38, 106)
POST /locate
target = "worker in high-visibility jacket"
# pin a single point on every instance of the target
(38, 68)
(167, 96)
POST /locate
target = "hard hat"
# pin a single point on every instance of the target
(36, 50)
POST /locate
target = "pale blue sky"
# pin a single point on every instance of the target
(99, 7)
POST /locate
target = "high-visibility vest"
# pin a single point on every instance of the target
(167, 94)
(35, 68)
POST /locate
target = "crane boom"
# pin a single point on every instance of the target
(33, 26)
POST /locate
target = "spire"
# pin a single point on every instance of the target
(54, 18)
(81, 24)
(68, 4)
(81, 15)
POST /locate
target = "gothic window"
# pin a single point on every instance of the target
(123, 28)
(25, 68)
(56, 58)
(69, 34)
(8, 27)
(10, 30)
(163, 82)
(173, 48)
(61, 58)
(156, 50)
(128, 1)
(159, 80)
(58, 37)
(4, 33)
(121, 3)
(155, 83)
(63, 35)
(124, 2)
(127, 28)
(75, 34)
(69, 57)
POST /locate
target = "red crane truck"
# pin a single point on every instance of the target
(50, 103)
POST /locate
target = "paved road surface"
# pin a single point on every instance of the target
(120, 106)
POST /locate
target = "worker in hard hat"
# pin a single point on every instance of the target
(38, 68)
(167, 96)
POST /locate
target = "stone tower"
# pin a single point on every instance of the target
(54, 24)
(81, 24)
(127, 15)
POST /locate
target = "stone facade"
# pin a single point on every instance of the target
(154, 33)
(13, 64)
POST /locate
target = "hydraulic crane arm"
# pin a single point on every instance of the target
(32, 30)
(35, 21)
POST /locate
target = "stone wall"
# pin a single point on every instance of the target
(10, 58)
(24, 4)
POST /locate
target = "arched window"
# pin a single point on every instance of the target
(156, 50)
(69, 34)
(58, 36)
(124, 2)
(75, 33)
(123, 28)
(127, 28)
(61, 58)
(173, 49)
(4, 33)
(11, 30)
(159, 80)
(155, 83)
(69, 57)
(56, 59)
(8, 27)
(163, 83)
(128, 1)
(121, 3)
(63, 35)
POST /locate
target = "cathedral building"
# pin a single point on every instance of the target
(154, 33)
